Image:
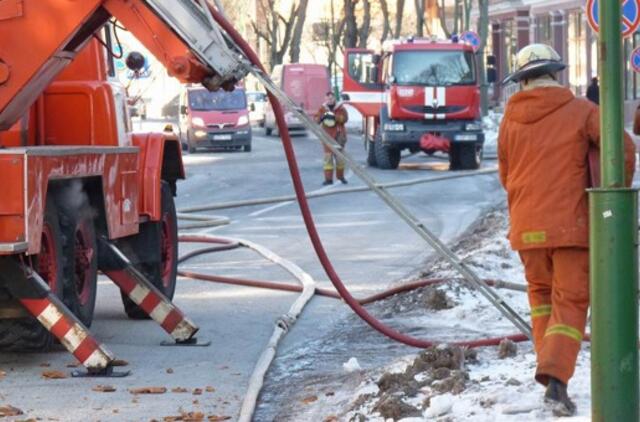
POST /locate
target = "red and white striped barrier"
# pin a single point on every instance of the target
(74, 336)
(144, 294)
(154, 303)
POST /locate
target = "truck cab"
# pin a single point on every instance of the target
(417, 95)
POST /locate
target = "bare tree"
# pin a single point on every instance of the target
(357, 34)
(296, 39)
(420, 17)
(365, 27)
(399, 15)
(277, 30)
(386, 20)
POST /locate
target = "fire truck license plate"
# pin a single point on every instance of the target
(222, 137)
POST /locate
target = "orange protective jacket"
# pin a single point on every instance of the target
(338, 131)
(543, 148)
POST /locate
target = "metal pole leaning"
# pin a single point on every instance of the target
(440, 248)
(613, 240)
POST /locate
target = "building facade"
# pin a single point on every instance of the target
(563, 25)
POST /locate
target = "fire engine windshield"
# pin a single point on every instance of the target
(203, 100)
(434, 68)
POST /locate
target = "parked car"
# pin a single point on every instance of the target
(171, 110)
(214, 119)
(306, 84)
(257, 103)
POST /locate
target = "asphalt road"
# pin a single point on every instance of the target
(370, 247)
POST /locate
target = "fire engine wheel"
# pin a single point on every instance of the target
(371, 153)
(81, 263)
(27, 334)
(162, 275)
(465, 156)
(387, 158)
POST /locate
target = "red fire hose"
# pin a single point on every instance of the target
(353, 303)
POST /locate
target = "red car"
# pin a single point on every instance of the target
(214, 120)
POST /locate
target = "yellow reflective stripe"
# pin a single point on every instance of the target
(540, 311)
(530, 238)
(564, 330)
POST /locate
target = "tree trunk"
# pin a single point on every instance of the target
(365, 27)
(351, 30)
(386, 29)
(399, 16)
(442, 16)
(296, 38)
(419, 4)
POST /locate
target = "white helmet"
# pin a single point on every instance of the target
(534, 61)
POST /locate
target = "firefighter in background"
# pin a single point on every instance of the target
(543, 149)
(333, 117)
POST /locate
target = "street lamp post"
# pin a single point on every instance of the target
(613, 240)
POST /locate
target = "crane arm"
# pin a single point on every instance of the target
(39, 38)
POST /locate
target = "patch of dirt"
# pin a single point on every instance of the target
(391, 406)
(507, 349)
(437, 370)
(437, 300)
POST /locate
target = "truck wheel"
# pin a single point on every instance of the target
(465, 156)
(247, 148)
(371, 153)
(387, 158)
(162, 275)
(81, 260)
(267, 130)
(27, 334)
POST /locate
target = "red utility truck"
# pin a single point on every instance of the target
(417, 95)
(306, 84)
(81, 193)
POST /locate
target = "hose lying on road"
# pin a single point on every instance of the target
(224, 244)
(184, 213)
(304, 204)
(283, 324)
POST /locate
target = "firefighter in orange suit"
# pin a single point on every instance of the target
(333, 117)
(543, 149)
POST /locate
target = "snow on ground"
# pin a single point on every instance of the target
(480, 385)
(491, 125)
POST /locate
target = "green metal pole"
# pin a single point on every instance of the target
(484, 35)
(613, 240)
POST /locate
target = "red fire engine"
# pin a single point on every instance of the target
(417, 95)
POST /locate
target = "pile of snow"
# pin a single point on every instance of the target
(490, 383)
(491, 126)
(352, 365)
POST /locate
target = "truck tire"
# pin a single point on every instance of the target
(267, 130)
(465, 157)
(27, 334)
(371, 154)
(387, 158)
(247, 148)
(81, 259)
(162, 275)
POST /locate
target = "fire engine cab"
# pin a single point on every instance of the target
(417, 94)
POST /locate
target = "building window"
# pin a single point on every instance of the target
(510, 46)
(544, 32)
(577, 51)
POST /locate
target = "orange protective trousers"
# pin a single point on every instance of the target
(558, 287)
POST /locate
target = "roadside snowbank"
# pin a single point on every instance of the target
(491, 384)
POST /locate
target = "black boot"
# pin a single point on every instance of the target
(327, 183)
(556, 396)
